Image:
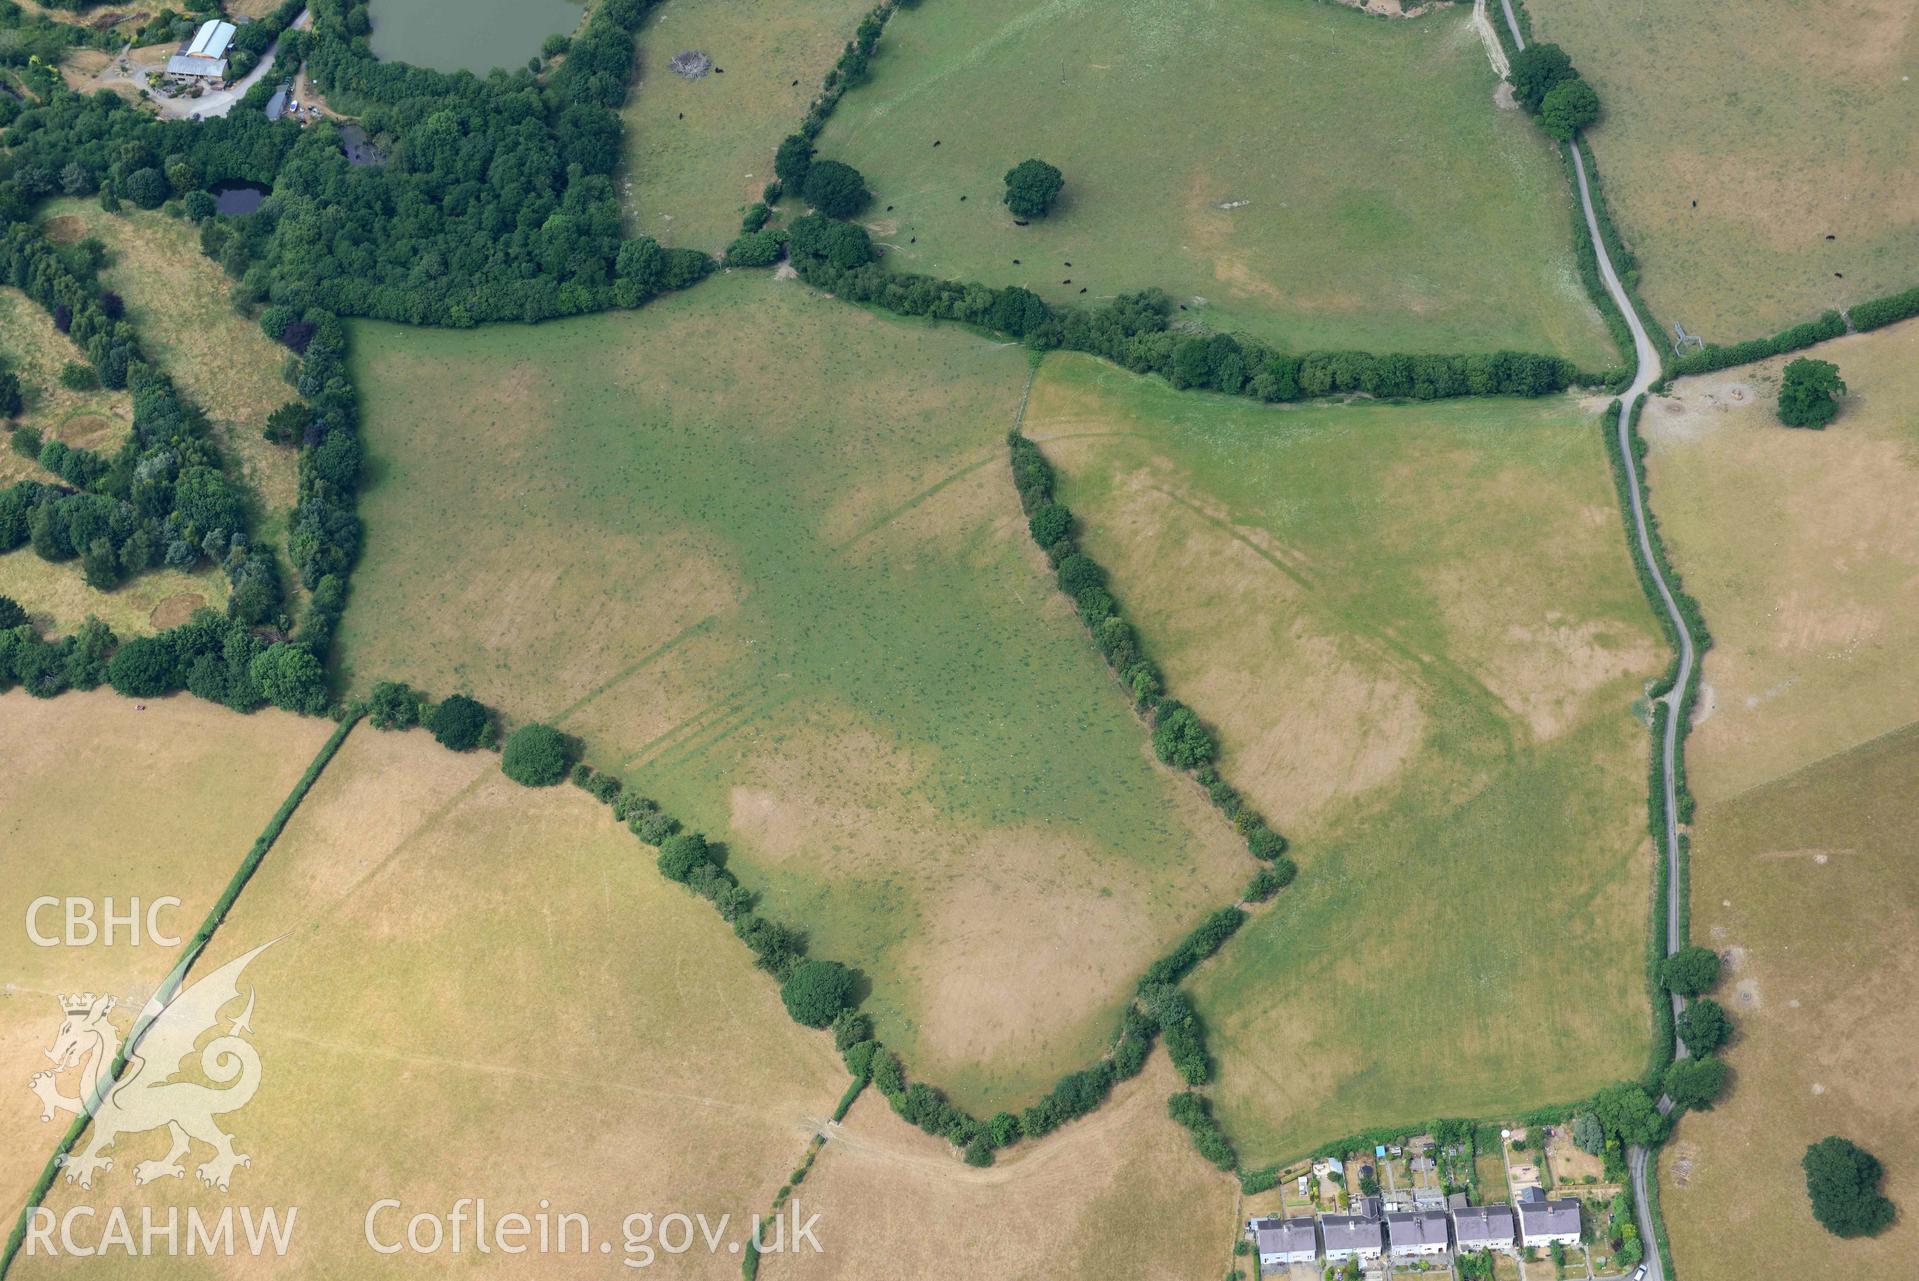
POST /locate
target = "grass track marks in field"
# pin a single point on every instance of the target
(153, 823)
(890, 718)
(1443, 707)
(501, 969)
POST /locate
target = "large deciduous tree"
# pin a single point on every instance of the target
(835, 189)
(1809, 394)
(1843, 1181)
(818, 991)
(1031, 188)
(1690, 970)
(1536, 70)
(1567, 108)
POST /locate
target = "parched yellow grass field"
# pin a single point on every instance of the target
(1787, 121)
(794, 599)
(1418, 634)
(1807, 883)
(98, 800)
(1803, 550)
(699, 151)
(1121, 1194)
(58, 599)
(478, 990)
(180, 302)
(33, 349)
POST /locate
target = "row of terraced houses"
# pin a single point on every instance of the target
(1369, 1234)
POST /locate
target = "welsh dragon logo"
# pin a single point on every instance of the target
(146, 1096)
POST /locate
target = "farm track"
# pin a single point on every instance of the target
(1639, 1161)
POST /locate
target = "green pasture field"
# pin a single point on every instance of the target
(1787, 121)
(99, 800)
(762, 552)
(699, 151)
(1420, 639)
(1378, 198)
(478, 991)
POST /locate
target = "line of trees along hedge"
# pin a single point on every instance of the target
(1829, 325)
(1137, 331)
(1875, 313)
(850, 70)
(1179, 738)
(820, 993)
(1693, 618)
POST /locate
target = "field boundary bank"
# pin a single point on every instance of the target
(176, 976)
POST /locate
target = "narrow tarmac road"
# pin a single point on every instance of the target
(1639, 1163)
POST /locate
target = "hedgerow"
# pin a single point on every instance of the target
(1137, 332)
(1829, 325)
(1879, 312)
(1195, 1113)
(1179, 738)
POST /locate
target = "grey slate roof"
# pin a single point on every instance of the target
(1350, 1232)
(1423, 1227)
(1479, 1226)
(1543, 1218)
(1285, 1236)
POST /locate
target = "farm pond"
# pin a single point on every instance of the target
(469, 35)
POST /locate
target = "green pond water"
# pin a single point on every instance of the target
(475, 35)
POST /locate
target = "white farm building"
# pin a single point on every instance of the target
(205, 56)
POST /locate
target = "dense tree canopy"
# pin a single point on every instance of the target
(1179, 739)
(1568, 107)
(534, 756)
(460, 723)
(1696, 1082)
(682, 855)
(791, 162)
(817, 991)
(291, 678)
(1536, 71)
(1809, 393)
(393, 705)
(1843, 1181)
(1031, 188)
(1703, 1025)
(1629, 1114)
(1690, 970)
(835, 189)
